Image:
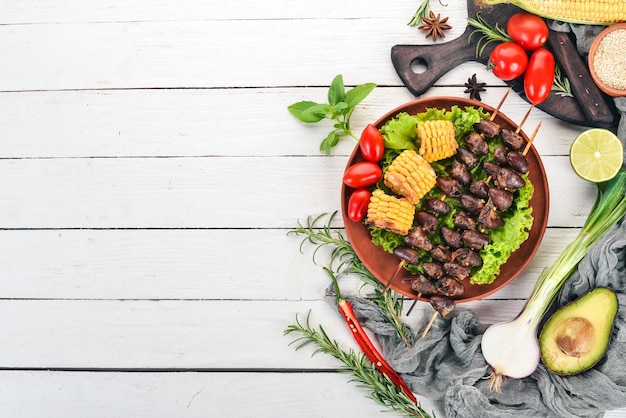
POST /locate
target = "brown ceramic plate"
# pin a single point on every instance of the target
(382, 264)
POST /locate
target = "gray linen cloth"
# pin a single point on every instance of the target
(448, 365)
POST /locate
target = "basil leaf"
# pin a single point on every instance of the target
(355, 95)
(299, 111)
(340, 107)
(319, 111)
(337, 91)
(329, 142)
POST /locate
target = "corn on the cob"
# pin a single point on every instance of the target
(410, 175)
(590, 12)
(436, 139)
(389, 212)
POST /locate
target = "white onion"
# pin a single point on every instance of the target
(511, 349)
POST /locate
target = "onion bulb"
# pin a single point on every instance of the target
(512, 349)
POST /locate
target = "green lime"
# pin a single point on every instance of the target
(596, 155)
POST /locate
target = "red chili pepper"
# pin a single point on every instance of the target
(346, 310)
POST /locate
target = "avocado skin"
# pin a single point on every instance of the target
(597, 308)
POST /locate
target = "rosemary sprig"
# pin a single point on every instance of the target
(489, 33)
(382, 390)
(343, 260)
(561, 83)
(421, 11)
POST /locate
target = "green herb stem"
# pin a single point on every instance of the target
(489, 33)
(421, 11)
(561, 84)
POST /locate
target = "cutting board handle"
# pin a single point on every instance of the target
(438, 60)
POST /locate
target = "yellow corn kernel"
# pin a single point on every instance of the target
(591, 12)
(410, 175)
(436, 139)
(389, 212)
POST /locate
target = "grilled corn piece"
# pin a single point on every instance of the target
(590, 12)
(389, 212)
(436, 139)
(410, 175)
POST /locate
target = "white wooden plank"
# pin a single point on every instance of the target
(246, 53)
(189, 394)
(204, 192)
(197, 122)
(61, 11)
(257, 264)
(143, 334)
(252, 264)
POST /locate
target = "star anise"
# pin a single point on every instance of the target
(473, 87)
(434, 25)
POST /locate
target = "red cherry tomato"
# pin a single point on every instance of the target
(372, 144)
(357, 204)
(362, 174)
(508, 61)
(527, 30)
(539, 76)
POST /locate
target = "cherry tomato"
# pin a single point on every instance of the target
(372, 144)
(357, 204)
(527, 30)
(362, 174)
(539, 76)
(508, 61)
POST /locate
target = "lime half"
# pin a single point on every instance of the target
(596, 155)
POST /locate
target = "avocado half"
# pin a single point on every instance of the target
(577, 335)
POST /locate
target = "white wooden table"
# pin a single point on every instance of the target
(149, 174)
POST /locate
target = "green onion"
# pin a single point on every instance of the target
(511, 348)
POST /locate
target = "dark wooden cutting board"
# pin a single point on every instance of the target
(589, 106)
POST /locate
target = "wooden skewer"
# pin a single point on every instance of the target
(395, 273)
(495, 112)
(519, 127)
(531, 139)
(430, 324)
(419, 295)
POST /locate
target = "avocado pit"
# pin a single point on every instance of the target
(575, 337)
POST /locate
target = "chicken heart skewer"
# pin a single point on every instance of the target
(438, 302)
(401, 264)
